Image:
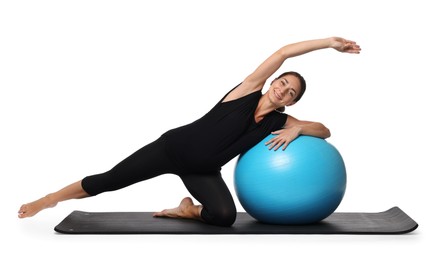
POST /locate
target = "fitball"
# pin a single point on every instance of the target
(303, 184)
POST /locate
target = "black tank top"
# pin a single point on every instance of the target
(226, 131)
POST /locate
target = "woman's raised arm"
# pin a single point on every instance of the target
(257, 79)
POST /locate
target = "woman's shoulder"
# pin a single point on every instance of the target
(243, 89)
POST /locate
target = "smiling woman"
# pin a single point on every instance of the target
(296, 95)
(197, 151)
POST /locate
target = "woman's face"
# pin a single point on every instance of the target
(284, 90)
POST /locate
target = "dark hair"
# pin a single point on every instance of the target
(303, 86)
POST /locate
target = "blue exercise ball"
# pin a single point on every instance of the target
(303, 184)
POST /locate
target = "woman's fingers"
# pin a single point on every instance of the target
(275, 143)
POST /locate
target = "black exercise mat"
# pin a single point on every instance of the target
(392, 221)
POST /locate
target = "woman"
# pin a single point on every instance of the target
(197, 151)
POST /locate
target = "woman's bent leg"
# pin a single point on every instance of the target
(218, 207)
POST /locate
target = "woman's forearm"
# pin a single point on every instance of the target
(300, 48)
(286, 135)
(315, 129)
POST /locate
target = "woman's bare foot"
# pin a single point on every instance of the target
(30, 209)
(72, 191)
(186, 209)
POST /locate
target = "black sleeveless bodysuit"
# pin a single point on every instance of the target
(226, 131)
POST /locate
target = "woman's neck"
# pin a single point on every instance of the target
(264, 107)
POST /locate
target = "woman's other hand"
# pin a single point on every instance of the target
(343, 45)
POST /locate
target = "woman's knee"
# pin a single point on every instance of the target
(224, 217)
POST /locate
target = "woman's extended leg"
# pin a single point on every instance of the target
(148, 162)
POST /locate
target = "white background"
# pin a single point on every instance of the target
(86, 83)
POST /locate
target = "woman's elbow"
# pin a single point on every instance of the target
(325, 132)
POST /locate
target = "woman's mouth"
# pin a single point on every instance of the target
(277, 95)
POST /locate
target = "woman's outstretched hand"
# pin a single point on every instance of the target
(343, 45)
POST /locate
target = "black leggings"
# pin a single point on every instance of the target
(151, 161)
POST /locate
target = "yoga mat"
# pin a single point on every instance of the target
(392, 221)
